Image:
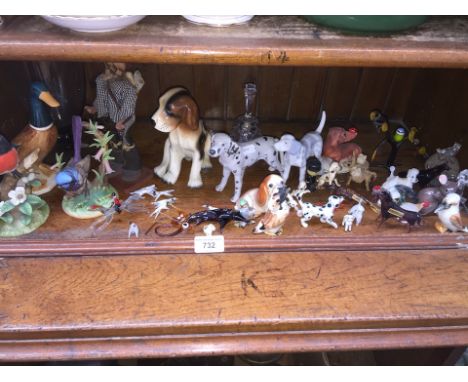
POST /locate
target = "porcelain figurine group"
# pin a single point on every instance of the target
(321, 161)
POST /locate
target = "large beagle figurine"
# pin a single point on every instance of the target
(178, 115)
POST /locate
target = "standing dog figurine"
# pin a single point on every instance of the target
(355, 213)
(296, 152)
(178, 115)
(308, 210)
(235, 157)
(133, 230)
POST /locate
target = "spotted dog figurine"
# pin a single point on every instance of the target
(324, 213)
(235, 157)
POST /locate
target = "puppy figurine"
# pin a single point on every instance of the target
(235, 157)
(133, 230)
(393, 181)
(330, 176)
(449, 215)
(178, 115)
(256, 199)
(278, 208)
(359, 171)
(295, 153)
(308, 210)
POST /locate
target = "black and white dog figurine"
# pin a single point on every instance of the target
(235, 157)
(308, 210)
(296, 152)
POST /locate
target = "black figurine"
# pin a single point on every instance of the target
(313, 168)
(427, 176)
(221, 215)
(396, 134)
(389, 209)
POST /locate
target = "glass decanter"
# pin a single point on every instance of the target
(246, 125)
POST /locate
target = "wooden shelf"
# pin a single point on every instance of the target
(178, 305)
(266, 40)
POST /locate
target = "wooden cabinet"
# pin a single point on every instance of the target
(65, 295)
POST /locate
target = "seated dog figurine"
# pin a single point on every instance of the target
(178, 115)
(336, 145)
(256, 199)
(235, 157)
(296, 152)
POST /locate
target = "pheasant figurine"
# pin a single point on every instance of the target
(40, 133)
(449, 215)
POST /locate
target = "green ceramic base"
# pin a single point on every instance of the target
(78, 206)
(39, 217)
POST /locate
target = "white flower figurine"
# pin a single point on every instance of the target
(17, 196)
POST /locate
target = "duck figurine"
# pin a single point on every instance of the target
(40, 133)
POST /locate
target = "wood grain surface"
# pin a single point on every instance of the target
(265, 40)
(175, 305)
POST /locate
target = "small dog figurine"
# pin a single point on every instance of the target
(336, 145)
(393, 180)
(308, 210)
(178, 115)
(359, 172)
(355, 213)
(133, 230)
(256, 199)
(278, 208)
(235, 157)
(296, 152)
(330, 176)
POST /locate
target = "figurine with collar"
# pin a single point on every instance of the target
(178, 115)
(236, 157)
(295, 153)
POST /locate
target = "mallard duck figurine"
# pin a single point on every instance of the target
(40, 133)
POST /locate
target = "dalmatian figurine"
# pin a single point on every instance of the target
(324, 213)
(235, 157)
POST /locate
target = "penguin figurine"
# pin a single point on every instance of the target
(449, 214)
(9, 158)
(40, 133)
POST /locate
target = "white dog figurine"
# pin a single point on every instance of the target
(296, 152)
(235, 157)
(178, 115)
(355, 213)
(133, 230)
(329, 176)
(394, 180)
(324, 213)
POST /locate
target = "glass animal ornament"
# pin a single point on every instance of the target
(396, 133)
(246, 126)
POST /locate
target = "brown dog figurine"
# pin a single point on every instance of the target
(336, 145)
(178, 115)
